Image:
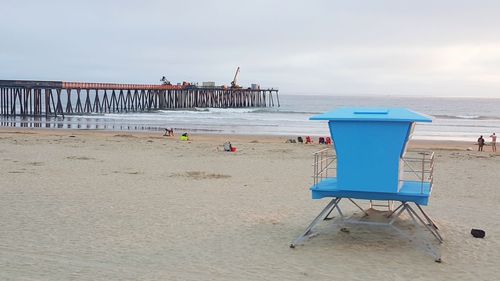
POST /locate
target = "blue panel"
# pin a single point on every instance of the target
(411, 191)
(368, 154)
(373, 114)
(411, 126)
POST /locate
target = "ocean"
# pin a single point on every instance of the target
(461, 119)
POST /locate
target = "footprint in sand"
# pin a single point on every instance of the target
(125, 136)
(199, 175)
(79, 158)
(128, 172)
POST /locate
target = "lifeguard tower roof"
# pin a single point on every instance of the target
(373, 114)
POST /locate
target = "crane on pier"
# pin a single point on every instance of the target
(165, 81)
(234, 83)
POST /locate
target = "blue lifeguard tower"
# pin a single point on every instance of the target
(371, 162)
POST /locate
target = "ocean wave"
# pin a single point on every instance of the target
(229, 110)
(287, 111)
(198, 110)
(473, 117)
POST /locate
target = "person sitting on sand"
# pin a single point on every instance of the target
(328, 140)
(321, 140)
(228, 146)
(184, 137)
(480, 143)
(493, 142)
(300, 140)
(308, 140)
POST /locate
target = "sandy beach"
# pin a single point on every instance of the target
(95, 205)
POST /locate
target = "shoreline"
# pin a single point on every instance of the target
(221, 138)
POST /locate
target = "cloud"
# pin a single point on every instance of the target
(434, 48)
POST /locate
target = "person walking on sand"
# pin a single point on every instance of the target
(480, 143)
(494, 142)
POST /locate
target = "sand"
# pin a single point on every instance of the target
(86, 205)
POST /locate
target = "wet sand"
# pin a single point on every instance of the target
(88, 205)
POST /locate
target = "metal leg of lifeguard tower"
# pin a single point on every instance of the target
(430, 226)
(340, 211)
(394, 214)
(328, 209)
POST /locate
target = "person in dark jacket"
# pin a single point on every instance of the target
(480, 143)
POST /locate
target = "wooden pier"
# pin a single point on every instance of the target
(57, 98)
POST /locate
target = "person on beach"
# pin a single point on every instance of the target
(493, 142)
(227, 146)
(169, 133)
(184, 137)
(480, 143)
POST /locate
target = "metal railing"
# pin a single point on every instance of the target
(417, 166)
(324, 165)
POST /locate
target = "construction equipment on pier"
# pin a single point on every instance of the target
(165, 81)
(234, 83)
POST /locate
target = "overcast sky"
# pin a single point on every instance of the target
(370, 47)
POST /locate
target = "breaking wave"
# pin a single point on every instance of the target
(472, 117)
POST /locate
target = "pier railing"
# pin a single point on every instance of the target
(417, 166)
